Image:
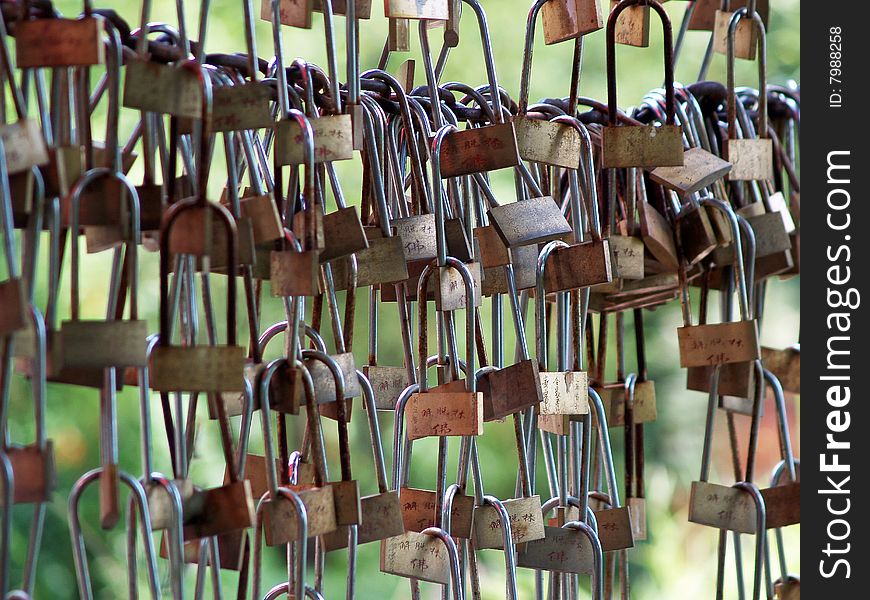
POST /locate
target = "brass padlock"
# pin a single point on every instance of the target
(641, 145)
(723, 343)
(751, 159)
(633, 28)
(569, 19)
(381, 513)
(108, 343)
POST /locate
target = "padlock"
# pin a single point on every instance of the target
(280, 516)
(59, 42)
(745, 36)
(479, 149)
(633, 28)
(723, 343)
(697, 237)
(703, 16)
(700, 169)
(726, 507)
(399, 37)
(656, 233)
(381, 513)
(110, 343)
(751, 159)
(647, 145)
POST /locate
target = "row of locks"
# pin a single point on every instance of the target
(615, 213)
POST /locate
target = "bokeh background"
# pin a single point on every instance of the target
(678, 560)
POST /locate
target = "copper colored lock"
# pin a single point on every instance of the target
(293, 13)
(342, 234)
(444, 414)
(700, 169)
(578, 266)
(280, 517)
(59, 43)
(240, 107)
(23, 145)
(613, 399)
(632, 29)
(198, 368)
(546, 142)
(399, 38)
(641, 145)
(383, 262)
(704, 12)
(746, 37)
(34, 472)
(510, 390)
(658, 237)
(295, 273)
(722, 343)
(697, 236)
(785, 365)
(12, 300)
(569, 19)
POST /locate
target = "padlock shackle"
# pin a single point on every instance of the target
(611, 57)
(417, 170)
(604, 446)
(452, 553)
(597, 556)
(169, 219)
(510, 559)
(7, 483)
(301, 542)
(528, 51)
(590, 194)
(338, 379)
(470, 316)
(138, 498)
(438, 191)
(130, 244)
(176, 531)
(541, 337)
(758, 25)
(760, 537)
(400, 442)
(631, 464)
(374, 432)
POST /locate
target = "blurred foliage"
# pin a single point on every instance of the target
(678, 559)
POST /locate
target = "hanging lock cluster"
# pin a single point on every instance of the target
(615, 213)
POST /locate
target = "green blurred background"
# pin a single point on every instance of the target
(677, 560)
